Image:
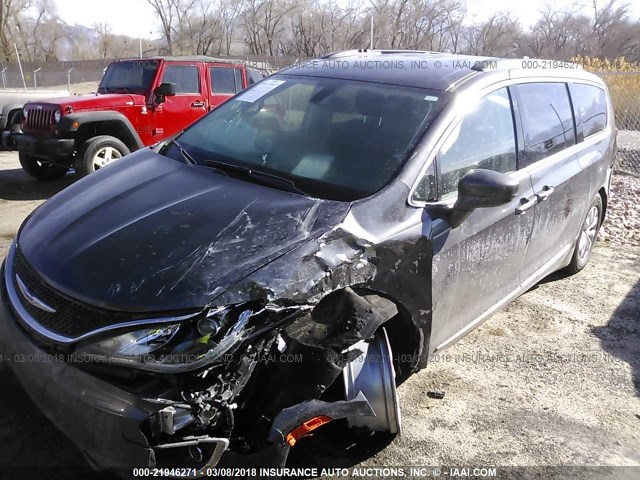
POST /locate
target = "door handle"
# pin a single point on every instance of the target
(544, 193)
(526, 204)
(197, 104)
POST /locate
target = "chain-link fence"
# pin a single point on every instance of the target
(625, 93)
(51, 74)
(48, 75)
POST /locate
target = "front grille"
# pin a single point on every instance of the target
(72, 319)
(39, 119)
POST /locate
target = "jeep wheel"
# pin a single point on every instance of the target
(98, 152)
(40, 169)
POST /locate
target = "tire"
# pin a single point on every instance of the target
(98, 152)
(587, 239)
(40, 169)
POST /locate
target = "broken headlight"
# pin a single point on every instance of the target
(136, 344)
(174, 348)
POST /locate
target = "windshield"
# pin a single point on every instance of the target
(128, 77)
(333, 139)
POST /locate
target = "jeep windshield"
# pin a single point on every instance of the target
(333, 139)
(128, 77)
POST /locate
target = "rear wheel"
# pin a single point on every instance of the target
(41, 169)
(587, 239)
(99, 152)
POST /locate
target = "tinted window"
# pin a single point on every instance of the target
(333, 138)
(184, 76)
(135, 76)
(547, 119)
(590, 107)
(226, 80)
(485, 138)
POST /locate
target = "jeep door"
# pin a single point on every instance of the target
(476, 266)
(562, 176)
(224, 82)
(189, 103)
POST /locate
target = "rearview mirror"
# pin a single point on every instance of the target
(166, 90)
(481, 189)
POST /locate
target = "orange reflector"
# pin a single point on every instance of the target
(76, 124)
(306, 428)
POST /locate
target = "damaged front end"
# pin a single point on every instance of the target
(259, 350)
(243, 383)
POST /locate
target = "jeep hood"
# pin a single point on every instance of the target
(152, 234)
(95, 102)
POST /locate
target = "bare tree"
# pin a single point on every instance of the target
(615, 34)
(264, 22)
(105, 39)
(171, 14)
(10, 14)
(494, 37)
(229, 11)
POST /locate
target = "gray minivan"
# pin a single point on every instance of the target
(293, 256)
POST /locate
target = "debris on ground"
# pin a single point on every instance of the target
(435, 394)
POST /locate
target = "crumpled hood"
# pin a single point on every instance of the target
(152, 234)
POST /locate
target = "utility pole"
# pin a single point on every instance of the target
(24, 83)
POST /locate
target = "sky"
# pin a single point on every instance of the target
(136, 17)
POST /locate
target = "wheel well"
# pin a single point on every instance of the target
(112, 128)
(404, 336)
(15, 116)
(605, 201)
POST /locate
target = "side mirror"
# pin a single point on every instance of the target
(481, 189)
(166, 90)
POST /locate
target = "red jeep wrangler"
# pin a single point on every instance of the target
(138, 103)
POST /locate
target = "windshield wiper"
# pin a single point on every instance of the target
(261, 177)
(186, 155)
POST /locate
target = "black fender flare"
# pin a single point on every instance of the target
(72, 123)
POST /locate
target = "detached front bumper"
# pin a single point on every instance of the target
(101, 419)
(44, 147)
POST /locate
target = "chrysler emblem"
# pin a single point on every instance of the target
(36, 302)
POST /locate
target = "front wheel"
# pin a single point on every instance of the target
(98, 152)
(587, 239)
(41, 169)
(373, 374)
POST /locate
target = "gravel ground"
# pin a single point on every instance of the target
(623, 212)
(554, 379)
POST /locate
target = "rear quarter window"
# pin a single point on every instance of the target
(547, 119)
(226, 80)
(590, 107)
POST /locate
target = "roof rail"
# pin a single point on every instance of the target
(407, 51)
(344, 53)
(348, 53)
